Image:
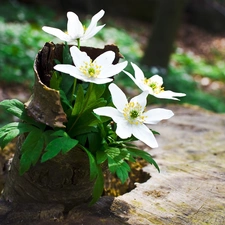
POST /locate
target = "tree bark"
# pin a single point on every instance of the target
(65, 180)
(160, 44)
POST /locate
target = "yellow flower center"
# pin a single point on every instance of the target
(90, 69)
(133, 113)
(156, 87)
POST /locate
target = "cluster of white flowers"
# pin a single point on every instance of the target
(131, 116)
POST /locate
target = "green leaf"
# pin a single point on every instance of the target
(98, 187)
(79, 101)
(31, 150)
(57, 145)
(55, 80)
(122, 172)
(67, 83)
(145, 155)
(48, 136)
(9, 137)
(5, 129)
(12, 130)
(59, 133)
(16, 108)
(95, 104)
(67, 59)
(112, 152)
(93, 96)
(13, 106)
(83, 115)
(93, 166)
(64, 100)
(82, 139)
(84, 125)
(114, 164)
(101, 156)
(155, 132)
(94, 92)
(94, 141)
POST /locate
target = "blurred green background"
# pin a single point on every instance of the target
(201, 77)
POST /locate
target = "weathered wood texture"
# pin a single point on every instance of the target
(190, 189)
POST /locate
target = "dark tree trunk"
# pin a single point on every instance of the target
(160, 44)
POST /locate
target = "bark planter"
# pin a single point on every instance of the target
(65, 179)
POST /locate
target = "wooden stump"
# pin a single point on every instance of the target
(191, 186)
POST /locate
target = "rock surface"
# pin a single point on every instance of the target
(189, 190)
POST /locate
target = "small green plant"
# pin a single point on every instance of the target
(99, 118)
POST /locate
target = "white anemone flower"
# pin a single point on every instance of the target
(131, 117)
(75, 29)
(98, 71)
(153, 84)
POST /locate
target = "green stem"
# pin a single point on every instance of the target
(78, 43)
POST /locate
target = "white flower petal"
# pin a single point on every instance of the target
(65, 68)
(118, 97)
(145, 87)
(141, 99)
(78, 56)
(74, 72)
(105, 58)
(157, 79)
(74, 26)
(92, 28)
(69, 69)
(110, 112)
(111, 70)
(156, 115)
(143, 133)
(138, 73)
(57, 33)
(139, 83)
(169, 95)
(123, 130)
(92, 32)
(131, 77)
(97, 80)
